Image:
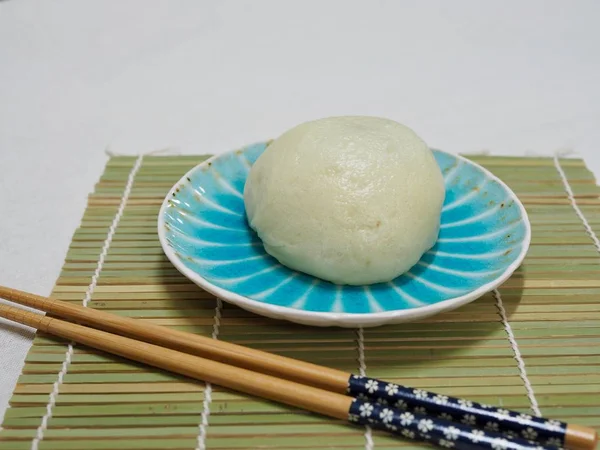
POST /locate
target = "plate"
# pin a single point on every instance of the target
(484, 236)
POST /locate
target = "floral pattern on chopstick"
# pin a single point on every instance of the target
(434, 430)
(465, 412)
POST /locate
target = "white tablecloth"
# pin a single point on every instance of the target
(79, 77)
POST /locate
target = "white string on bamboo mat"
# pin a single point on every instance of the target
(203, 426)
(362, 367)
(517, 354)
(574, 205)
(39, 435)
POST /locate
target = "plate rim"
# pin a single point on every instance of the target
(341, 319)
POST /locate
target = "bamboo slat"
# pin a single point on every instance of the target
(106, 402)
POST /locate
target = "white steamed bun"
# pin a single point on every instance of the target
(351, 200)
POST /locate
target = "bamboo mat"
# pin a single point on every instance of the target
(550, 304)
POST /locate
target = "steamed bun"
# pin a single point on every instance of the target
(351, 200)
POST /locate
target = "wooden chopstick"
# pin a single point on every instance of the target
(291, 393)
(237, 355)
(572, 436)
(410, 425)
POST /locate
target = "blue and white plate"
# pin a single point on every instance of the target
(202, 226)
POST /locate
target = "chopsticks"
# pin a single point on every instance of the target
(410, 425)
(412, 413)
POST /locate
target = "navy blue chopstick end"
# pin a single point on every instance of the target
(460, 413)
(435, 431)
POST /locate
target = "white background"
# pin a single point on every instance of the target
(78, 77)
